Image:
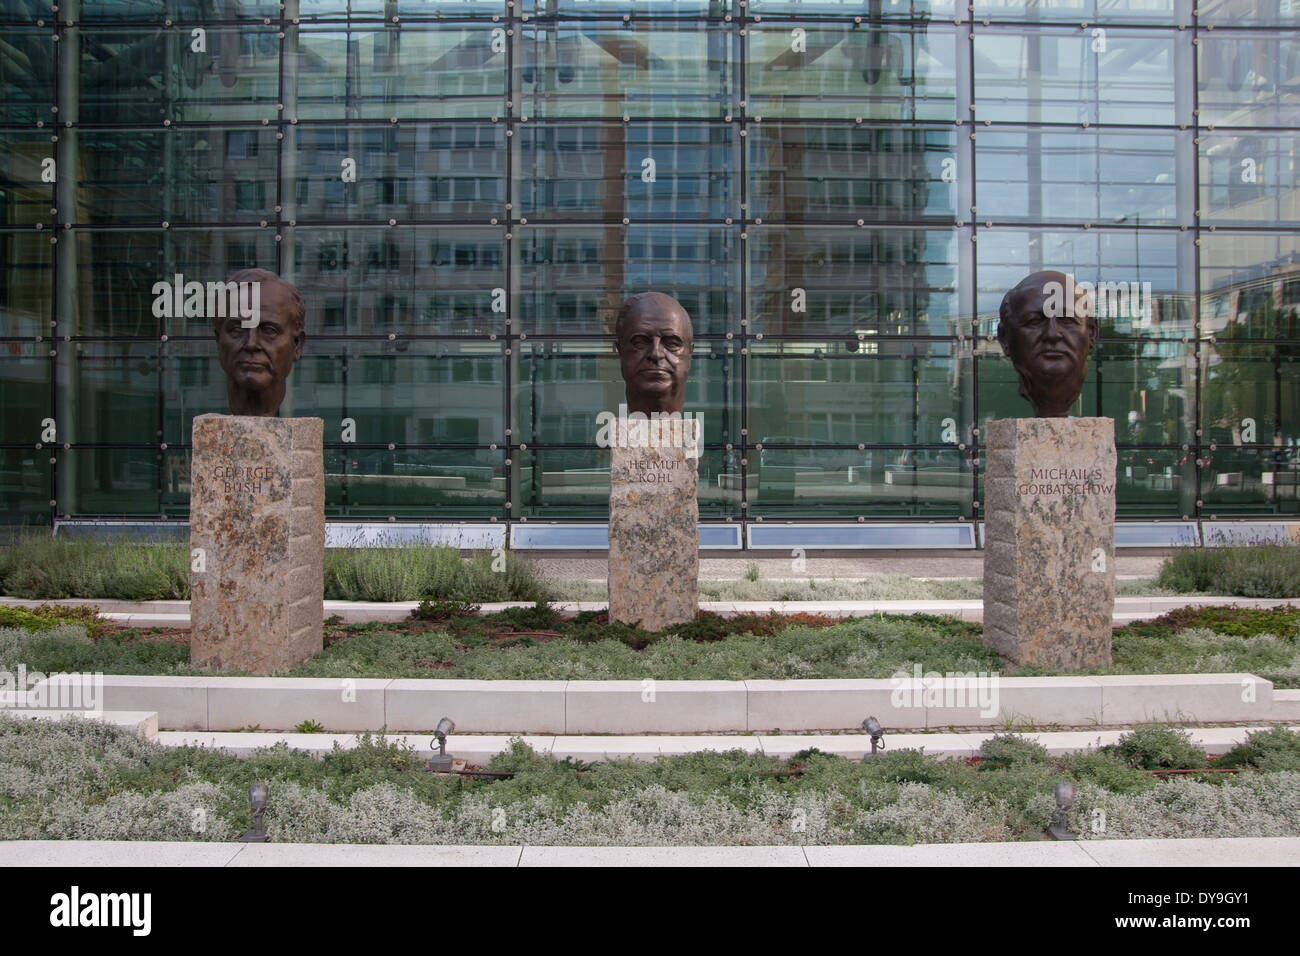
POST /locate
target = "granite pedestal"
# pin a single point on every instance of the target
(1049, 540)
(654, 540)
(257, 542)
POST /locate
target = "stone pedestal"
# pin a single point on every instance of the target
(654, 538)
(257, 542)
(1049, 540)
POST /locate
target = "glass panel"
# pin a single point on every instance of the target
(420, 71)
(658, 8)
(182, 10)
(181, 175)
(1154, 482)
(26, 293)
(645, 69)
(1248, 79)
(934, 482)
(1148, 387)
(26, 486)
(110, 390)
(24, 392)
(413, 483)
(145, 76)
(425, 281)
(110, 481)
(574, 280)
(1249, 12)
(854, 283)
(882, 393)
(889, 9)
(1057, 76)
(583, 171)
(850, 71)
(1249, 395)
(342, 173)
(30, 87)
(1249, 481)
(1250, 286)
(1077, 175)
(1089, 11)
(801, 172)
(1249, 179)
(27, 162)
(312, 9)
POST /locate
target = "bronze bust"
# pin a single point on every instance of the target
(1046, 326)
(257, 360)
(654, 336)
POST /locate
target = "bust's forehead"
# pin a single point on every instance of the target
(655, 311)
(666, 316)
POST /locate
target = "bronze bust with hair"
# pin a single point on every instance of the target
(1046, 326)
(258, 358)
(653, 335)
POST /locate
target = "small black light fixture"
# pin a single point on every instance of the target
(441, 762)
(1060, 828)
(872, 726)
(257, 796)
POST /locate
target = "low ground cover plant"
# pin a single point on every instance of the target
(1265, 569)
(82, 780)
(449, 639)
(40, 566)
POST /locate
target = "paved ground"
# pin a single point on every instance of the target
(1276, 851)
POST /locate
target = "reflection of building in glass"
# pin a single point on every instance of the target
(839, 193)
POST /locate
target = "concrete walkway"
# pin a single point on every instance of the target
(1274, 851)
(177, 613)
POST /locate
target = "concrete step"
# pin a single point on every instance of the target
(907, 702)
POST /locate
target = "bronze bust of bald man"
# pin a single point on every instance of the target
(257, 360)
(654, 338)
(1046, 326)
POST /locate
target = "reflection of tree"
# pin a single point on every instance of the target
(1243, 365)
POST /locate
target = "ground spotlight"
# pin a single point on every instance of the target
(257, 796)
(441, 762)
(872, 726)
(1060, 828)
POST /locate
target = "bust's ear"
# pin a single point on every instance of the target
(300, 339)
(1002, 337)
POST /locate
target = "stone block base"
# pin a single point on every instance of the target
(654, 538)
(1049, 540)
(257, 542)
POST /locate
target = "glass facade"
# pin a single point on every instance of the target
(465, 191)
